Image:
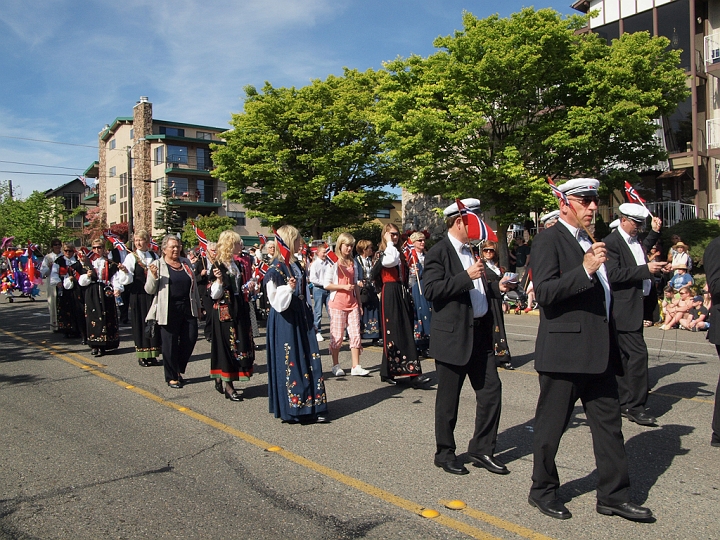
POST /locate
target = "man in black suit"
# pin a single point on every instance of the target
(461, 341)
(573, 351)
(711, 262)
(631, 279)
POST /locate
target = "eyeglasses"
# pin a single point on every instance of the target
(394, 234)
(490, 250)
(97, 247)
(587, 200)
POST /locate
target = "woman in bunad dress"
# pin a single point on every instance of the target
(100, 309)
(296, 387)
(132, 276)
(245, 262)
(422, 308)
(400, 357)
(70, 297)
(494, 272)
(370, 321)
(232, 351)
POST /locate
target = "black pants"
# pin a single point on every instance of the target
(598, 393)
(633, 384)
(716, 414)
(178, 341)
(483, 375)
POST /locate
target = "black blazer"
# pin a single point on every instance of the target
(711, 262)
(574, 333)
(447, 285)
(626, 278)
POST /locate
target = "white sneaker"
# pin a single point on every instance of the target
(337, 370)
(319, 337)
(359, 371)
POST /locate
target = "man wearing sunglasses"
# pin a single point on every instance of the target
(631, 278)
(576, 355)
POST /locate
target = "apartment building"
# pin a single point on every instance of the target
(688, 184)
(139, 156)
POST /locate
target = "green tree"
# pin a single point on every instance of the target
(508, 102)
(36, 219)
(211, 225)
(168, 218)
(310, 157)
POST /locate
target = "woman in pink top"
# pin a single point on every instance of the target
(344, 307)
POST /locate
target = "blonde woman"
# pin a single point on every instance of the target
(296, 387)
(344, 305)
(232, 351)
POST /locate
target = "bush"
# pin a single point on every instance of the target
(370, 230)
(696, 233)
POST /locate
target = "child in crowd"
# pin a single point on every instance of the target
(696, 318)
(675, 311)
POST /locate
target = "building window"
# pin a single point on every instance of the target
(123, 211)
(203, 159)
(608, 31)
(71, 200)
(123, 185)
(177, 154)
(173, 132)
(678, 128)
(158, 218)
(159, 186)
(113, 198)
(112, 172)
(75, 222)
(178, 187)
(383, 213)
(204, 135)
(642, 22)
(112, 144)
(159, 155)
(132, 162)
(132, 133)
(239, 217)
(674, 24)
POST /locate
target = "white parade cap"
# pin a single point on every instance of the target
(636, 212)
(555, 214)
(473, 205)
(580, 186)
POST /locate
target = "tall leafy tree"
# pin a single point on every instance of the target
(310, 157)
(507, 102)
(211, 225)
(168, 217)
(36, 218)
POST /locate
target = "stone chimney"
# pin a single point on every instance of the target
(142, 191)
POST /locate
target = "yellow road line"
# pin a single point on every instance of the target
(701, 400)
(349, 481)
(499, 522)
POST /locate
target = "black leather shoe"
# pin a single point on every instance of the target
(234, 396)
(144, 363)
(174, 384)
(490, 463)
(640, 418)
(555, 508)
(628, 510)
(507, 365)
(322, 419)
(83, 342)
(389, 380)
(452, 467)
(422, 379)
(218, 386)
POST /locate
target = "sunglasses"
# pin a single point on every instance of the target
(68, 250)
(97, 247)
(587, 200)
(489, 250)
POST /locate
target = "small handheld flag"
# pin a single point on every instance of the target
(263, 239)
(153, 245)
(284, 249)
(633, 195)
(556, 191)
(114, 239)
(477, 229)
(202, 240)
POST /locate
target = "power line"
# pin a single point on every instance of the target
(49, 142)
(44, 174)
(38, 165)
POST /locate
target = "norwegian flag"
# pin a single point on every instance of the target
(331, 254)
(87, 253)
(202, 240)
(114, 239)
(556, 191)
(411, 255)
(632, 195)
(476, 227)
(284, 249)
(263, 239)
(260, 270)
(153, 245)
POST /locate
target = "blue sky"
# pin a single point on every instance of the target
(70, 66)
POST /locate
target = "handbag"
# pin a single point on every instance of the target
(150, 328)
(364, 295)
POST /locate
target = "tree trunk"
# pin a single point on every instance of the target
(503, 250)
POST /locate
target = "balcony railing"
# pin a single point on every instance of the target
(712, 208)
(183, 161)
(712, 128)
(712, 49)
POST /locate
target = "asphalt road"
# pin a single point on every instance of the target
(108, 450)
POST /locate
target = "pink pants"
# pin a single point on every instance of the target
(339, 320)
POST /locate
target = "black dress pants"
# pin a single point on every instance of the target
(483, 375)
(598, 393)
(633, 384)
(716, 414)
(178, 340)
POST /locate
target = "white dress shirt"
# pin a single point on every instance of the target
(639, 255)
(477, 294)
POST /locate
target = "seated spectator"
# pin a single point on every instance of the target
(669, 298)
(681, 278)
(678, 309)
(696, 318)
